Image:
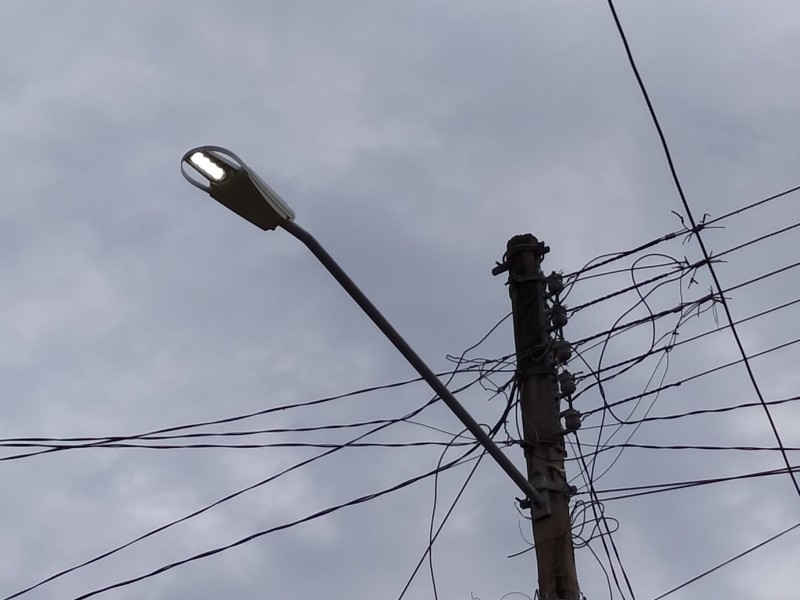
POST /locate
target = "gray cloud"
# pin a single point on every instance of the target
(413, 139)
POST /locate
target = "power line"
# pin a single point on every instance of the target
(595, 503)
(271, 410)
(739, 211)
(729, 561)
(708, 411)
(669, 347)
(104, 441)
(606, 259)
(414, 444)
(212, 505)
(282, 527)
(681, 268)
(433, 536)
(758, 239)
(693, 377)
(660, 488)
(700, 242)
(707, 447)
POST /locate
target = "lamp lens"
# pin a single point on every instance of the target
(207, 166)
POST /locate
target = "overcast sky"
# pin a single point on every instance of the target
(412, 139)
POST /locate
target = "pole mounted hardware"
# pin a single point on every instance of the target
(539, 317)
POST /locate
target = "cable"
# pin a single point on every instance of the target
(680, 269)
(433, 536)
(109, 441)
(415, 444)
(407, 418)
(708, 411)
(659, 488)
(601, 519)
(669, 347)
(729, 561)
(704, 250)
(607, 447)
(693, 304)
(758, 239)
(680, 382)
(739, 211)
(210, 506)
(282, 527)
(609, 258)
(765, 276)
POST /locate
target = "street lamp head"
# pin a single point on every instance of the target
(223, 175)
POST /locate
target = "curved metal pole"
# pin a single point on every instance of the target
(419, 365)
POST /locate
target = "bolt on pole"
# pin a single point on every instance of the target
(538, 315)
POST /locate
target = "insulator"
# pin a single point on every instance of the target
(566, 381)
(555, 284)
(572, 420)
(558, 316)
(562, 351)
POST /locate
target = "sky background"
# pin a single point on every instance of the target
(413, 139)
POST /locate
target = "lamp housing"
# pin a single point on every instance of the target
(234, 185)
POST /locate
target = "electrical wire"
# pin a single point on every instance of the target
(600, 518)
(751, 206)
(97, 442)
(271, 410)
(729, 561)
(709, 411)
(212, 505)
(434, 535)
(572, 278)
(660, 488)
(670, 347)
(697, 376)
(700, 242)
(282, 527)
(380, 425)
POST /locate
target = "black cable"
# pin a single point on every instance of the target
(693, 304)
(601, 519)
(708, 447)
(599, 382)
(284, 526)
(680, 269)
(407, 418)
(757, 240)
(700, 242)
(729, 561)
(415, 444)
(609, 258)
(765, 276)
(670, 347)
(258, 413)
(433, 536)
(660, 488)
(708, 411)
(108, 441)
(204, 434)
(739, 211)
(696, 376)
(208, 507)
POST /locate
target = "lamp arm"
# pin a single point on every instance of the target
(415, 361)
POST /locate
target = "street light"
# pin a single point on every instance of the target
(233, 184)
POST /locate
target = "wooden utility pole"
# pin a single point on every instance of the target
(538, 355)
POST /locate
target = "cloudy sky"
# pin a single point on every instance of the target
(412, 139)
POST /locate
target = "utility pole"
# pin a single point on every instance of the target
(537, 316)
